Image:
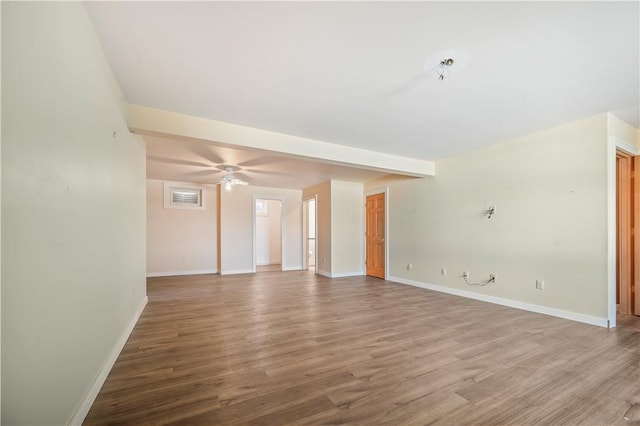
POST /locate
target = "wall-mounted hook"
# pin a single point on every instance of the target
(490, 211)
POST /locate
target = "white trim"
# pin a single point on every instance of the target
(169, 186)
(238, 271)
(323, 273)
(291, 268)
(624, 145)
(587, 319)
(176, 273)
(384, 191)
(348, 274)
(611, 230)
(304, 233)
(86, 402)
(341, 275)
(613, 144)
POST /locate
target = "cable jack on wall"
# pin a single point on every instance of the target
(492, 279)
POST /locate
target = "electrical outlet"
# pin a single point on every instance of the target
(540, 284)
(465, 274)
(409, 266)
(443, 271)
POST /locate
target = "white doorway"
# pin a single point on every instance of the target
(267, 247)
(309, 234)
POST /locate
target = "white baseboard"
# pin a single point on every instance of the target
(587, 319)
(238, 271)
(347, 274)
(291, 268)
(342, 275)
(174, 273)
(87, 401)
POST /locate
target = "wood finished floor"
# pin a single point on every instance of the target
(299, 349)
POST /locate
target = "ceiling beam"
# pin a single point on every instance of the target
(151, 121)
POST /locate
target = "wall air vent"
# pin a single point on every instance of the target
(179, 195)
(190, 197)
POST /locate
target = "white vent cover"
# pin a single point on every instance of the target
(179, 195)
(185, 196)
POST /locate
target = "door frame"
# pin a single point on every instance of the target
(384, 191)
(613, 144)
(624, 210)
(282, 240)
(305, 237)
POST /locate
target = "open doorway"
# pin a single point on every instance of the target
(309, 234)
(267, 249)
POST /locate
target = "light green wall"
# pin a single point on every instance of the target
(340, 224)
(73, 212)
(347, 228)
(550, 193)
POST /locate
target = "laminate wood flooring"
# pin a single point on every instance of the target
(296, 348)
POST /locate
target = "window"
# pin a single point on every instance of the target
(178, 195)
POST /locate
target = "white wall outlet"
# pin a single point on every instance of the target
(443, 271)
(409, 266)
(540, 284)
(465, 274)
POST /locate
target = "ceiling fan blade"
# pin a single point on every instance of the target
(259, 161)
(268, 172)
(199, 173)
(241, 176)
(207, 154)
(236, 181)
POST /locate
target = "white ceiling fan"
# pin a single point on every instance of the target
(228, 180)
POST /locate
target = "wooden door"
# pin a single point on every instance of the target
(635, 236)
(626, 218)
(375, 234)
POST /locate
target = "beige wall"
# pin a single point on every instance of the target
(268, 235)
(550, 193)
(347, 228)
(323, 220)
(340, 227)
(236, 227)
(73, 214)
(180, 241)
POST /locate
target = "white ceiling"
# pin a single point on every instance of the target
(361, 73)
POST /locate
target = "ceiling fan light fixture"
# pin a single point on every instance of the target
(228, 181)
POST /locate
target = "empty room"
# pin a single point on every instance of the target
(320, 213)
